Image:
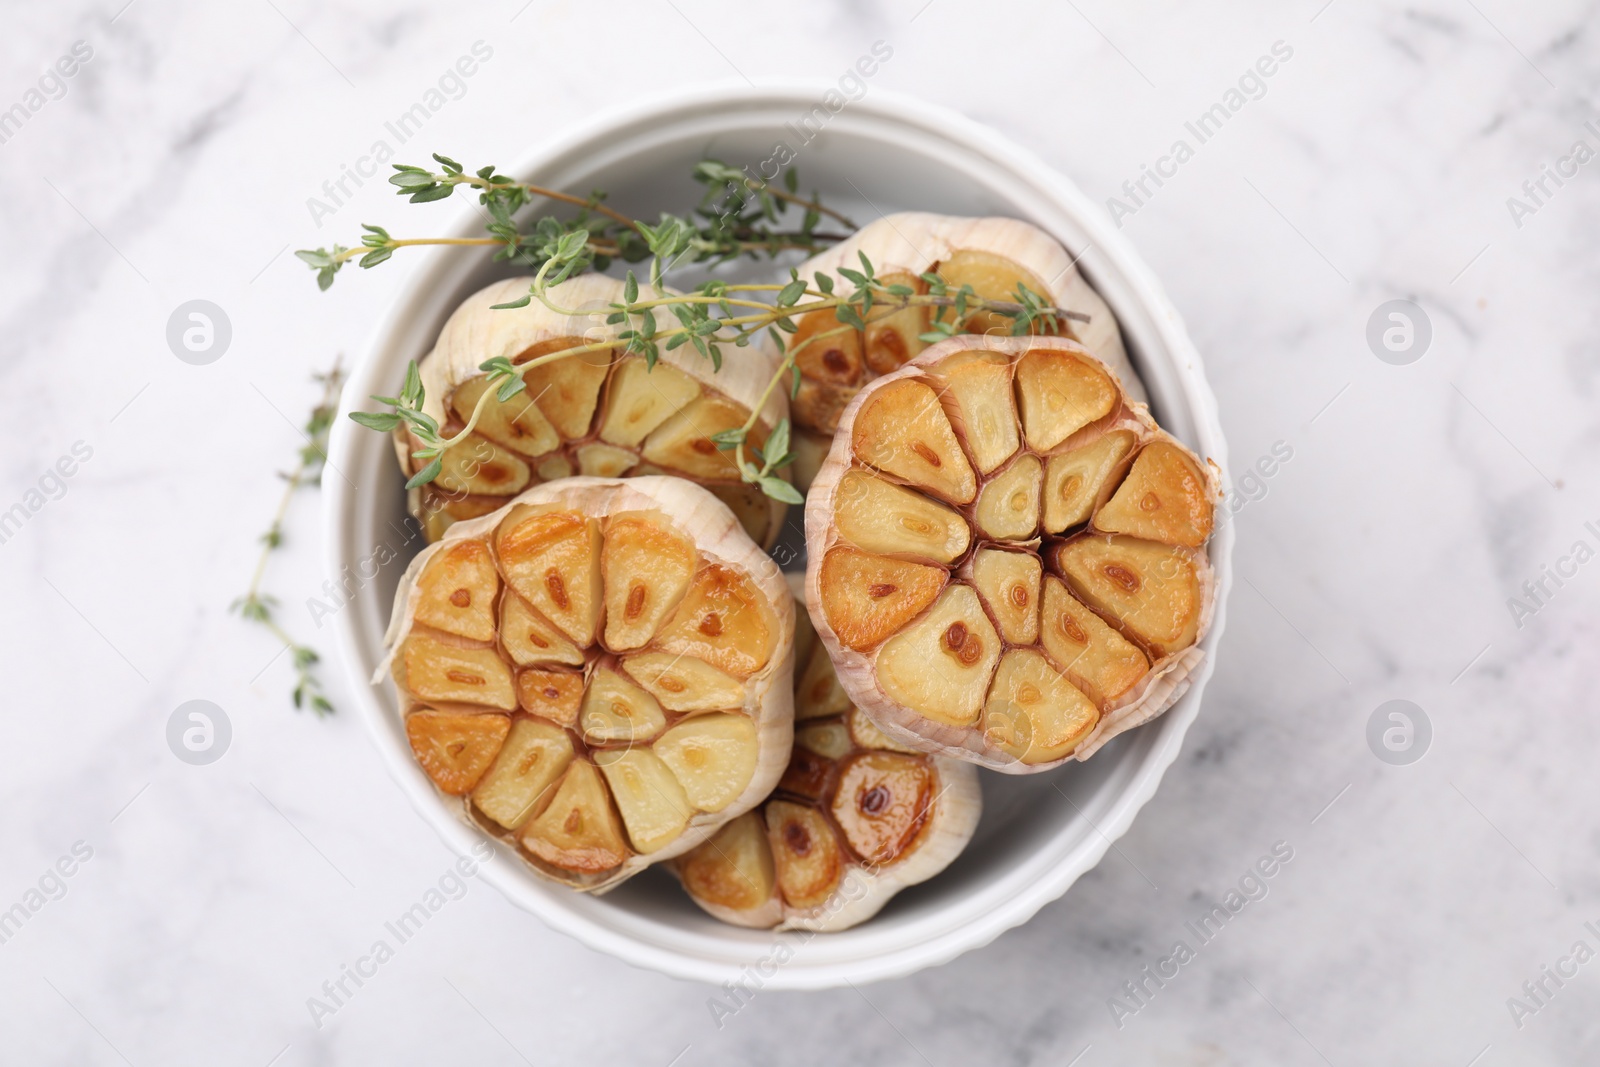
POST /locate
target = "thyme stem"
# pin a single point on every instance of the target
(255, 605)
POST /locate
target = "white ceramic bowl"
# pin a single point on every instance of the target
(882, 153)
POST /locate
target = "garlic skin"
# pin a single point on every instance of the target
(985, 731)
(568, 420)
(720, 545)
(865, 889)
(860, 886)
(910, 244)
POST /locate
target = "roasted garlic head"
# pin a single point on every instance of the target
(1007, 556)
(600, 672)
(601, 413)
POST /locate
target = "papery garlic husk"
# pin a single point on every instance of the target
(598, 674)
(990, 254)
(602, 413)
(855, 819)
(1006, 555)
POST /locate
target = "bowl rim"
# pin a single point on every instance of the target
(918, 944)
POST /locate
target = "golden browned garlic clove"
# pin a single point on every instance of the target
(441, 670)
(530, 639)
(940, 664)
(550, 556)
(869, 597)
(656, 566)
(902, 430)
(1164, 498)
(888, 519)
(600, 413)
(532, 759)
(578, 833)
(455, 749)
(1155, 594)
(1097, 659)
(734, 871)
(459, 590)
(1076, 481)
(1072, 609)
(1009, 584)
(556, 695)
(683, 683)
(601, 671)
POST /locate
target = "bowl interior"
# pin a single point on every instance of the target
(882, 154)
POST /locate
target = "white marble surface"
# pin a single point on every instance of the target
(1418, 499)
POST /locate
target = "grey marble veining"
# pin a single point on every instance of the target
(1387, 158)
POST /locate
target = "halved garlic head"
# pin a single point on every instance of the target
(599, 413)
(601, 671)
(855, 818)
(1007, 555)
(991, 255)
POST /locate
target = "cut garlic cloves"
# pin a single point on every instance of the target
(993, 256)
(601, 413)
(1071, 611)
(601, 671)
(855, 818)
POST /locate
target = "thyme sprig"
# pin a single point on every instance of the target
(713, 314)
(737, 215)
(257, 606)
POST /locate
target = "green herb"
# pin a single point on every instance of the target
(257, 606)
(738, 215)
